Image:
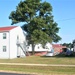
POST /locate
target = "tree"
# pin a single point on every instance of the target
(68, 45)
(38, 19)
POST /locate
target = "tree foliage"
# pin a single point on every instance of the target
(38, 19)
(68, 45)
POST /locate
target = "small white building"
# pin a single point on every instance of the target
(12, 42)
(39, 50)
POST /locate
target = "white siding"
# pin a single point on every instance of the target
(37, 48)
(4, 42)
(14, 49)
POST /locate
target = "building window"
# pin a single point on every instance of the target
(4, 35)
(38, 47)
(27, 47)
(4, 48)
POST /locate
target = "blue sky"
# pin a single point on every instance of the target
(63, 12)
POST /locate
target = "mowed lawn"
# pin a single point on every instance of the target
(41, 60)
(44, 70)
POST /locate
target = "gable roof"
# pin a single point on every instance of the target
(3, 29)
(58, 46)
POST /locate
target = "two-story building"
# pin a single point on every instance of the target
(12, 42)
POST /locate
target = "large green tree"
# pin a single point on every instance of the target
(38, 21)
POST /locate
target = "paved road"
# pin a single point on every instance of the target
(3, 73)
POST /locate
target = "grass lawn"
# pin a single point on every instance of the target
(40, 70)
(41, 60)
(44, 70)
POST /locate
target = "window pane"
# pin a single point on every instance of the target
(4, 35)
(4, 48)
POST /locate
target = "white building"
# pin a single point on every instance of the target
(12, 42)
(39, 48)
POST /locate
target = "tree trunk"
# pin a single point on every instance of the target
(33, 52)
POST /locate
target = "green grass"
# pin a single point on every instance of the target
(41, 60)
(45, 70)
(40, 70)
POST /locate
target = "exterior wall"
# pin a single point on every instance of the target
(4, 42)
(14, 49)
(38, 48)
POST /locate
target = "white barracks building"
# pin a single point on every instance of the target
(12, 42)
